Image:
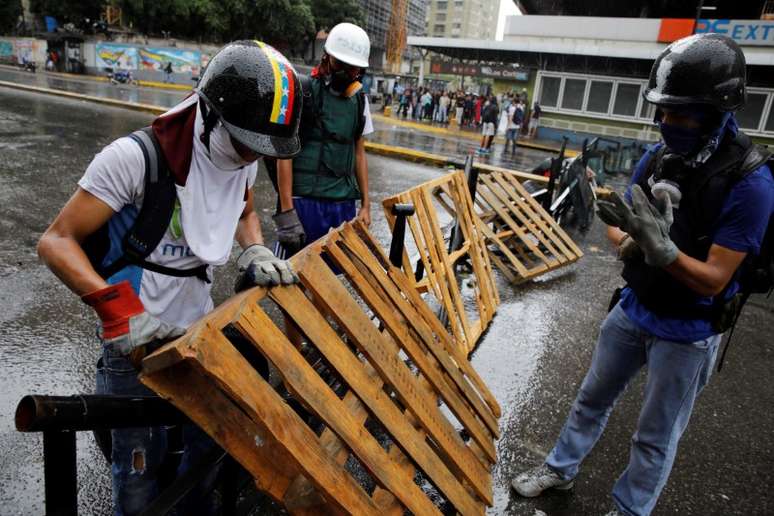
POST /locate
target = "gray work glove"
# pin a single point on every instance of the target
(290, 232)
(259, 267)
(144, 329)
(628, 250)
(126, 327)
(648, 225)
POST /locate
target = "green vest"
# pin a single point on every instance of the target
(325, 167)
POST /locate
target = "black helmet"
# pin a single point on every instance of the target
(699, 69)
(255, 92)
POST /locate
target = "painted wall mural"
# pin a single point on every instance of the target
(116, 56)
(183, 61)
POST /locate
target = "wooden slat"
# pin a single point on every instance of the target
(387, 314)
(529, 239)
(512, 186)
(402, 282)
(303, 380)
(314, 274)
(344, 362)
(445, 262)
(522, 212)
(271, 467)
(213, 353)
(400, 305)
(451, 191)
(505, 215)
(479, 256)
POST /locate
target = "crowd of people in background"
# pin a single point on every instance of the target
(507, 114)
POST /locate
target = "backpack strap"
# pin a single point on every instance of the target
(156, 211)
(308, 108)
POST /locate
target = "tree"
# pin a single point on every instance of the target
(9, 15)
(328, 13)
(68, 12)
(281, 22)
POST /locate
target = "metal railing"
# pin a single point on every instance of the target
(59, 418)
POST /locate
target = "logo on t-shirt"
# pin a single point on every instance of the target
(175, 226)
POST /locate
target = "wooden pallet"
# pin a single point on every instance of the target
(524, 241)
(440, 265)
(399, 367)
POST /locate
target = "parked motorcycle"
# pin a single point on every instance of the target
(570, 195)
(29, 66)
(121, 77)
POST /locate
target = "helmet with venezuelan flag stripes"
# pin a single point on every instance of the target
(256, 93)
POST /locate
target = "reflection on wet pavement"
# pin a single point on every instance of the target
(455, 147)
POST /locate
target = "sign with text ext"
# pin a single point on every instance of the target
(744, 32)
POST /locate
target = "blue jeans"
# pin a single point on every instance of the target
(138, 453)
(677, 372)
(511, 136)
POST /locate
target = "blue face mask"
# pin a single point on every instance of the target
(682, 140)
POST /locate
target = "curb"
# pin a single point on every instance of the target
(134, 106)
(100, 78)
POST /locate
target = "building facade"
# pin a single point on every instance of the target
(474, 19)
(589, 72)
(377, 14)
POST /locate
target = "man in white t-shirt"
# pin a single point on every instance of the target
(210, 144)
(443, 108)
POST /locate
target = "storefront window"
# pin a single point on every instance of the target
(770, 121)
(574, 89)
(749, 117)
(599, 96)
(647, 110)
(626, 98)
(549, 91)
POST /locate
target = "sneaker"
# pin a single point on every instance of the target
(533, 482)
(615, 512)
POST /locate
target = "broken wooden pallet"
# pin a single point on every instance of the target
(440, 263)
(524, 241)
(397, 364)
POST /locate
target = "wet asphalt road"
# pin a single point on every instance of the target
(533, 356)
(390, 134)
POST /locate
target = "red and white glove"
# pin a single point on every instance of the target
(126, 326)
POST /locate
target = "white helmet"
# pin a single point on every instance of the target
(349, 44)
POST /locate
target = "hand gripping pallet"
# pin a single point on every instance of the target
(440, 263)
(524, 241)
(398, 366)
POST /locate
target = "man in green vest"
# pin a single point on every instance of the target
(319, 188)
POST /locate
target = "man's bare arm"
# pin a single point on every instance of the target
(361, 174)
(706, 278)
(249, 226)
(60, 246)
(285, 183)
